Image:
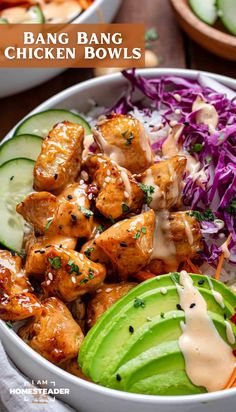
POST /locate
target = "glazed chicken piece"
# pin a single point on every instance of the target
(119, 193)
(37, 209)
(94, 252)
(73, 215)
(55, 335)
(68, 214)
(105, 297)
(36, 261)
(129, 243)
(163, 183)
(71, 274)
(124, 140)
(177, 238)
(60, 159)
(16, 300)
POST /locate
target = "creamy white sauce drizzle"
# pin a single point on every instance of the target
(171, 148)
(163, 246)
(145, 144)
(206, 114)
(158, 197)
(112, 151)
(217, 296)
(229, 333)
(209, 361)
(188, 230)
(125, 179)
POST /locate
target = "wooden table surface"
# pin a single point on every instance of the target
(173, 48)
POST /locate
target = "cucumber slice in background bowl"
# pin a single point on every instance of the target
(41, 123)
(27, 146)
(16, 181)
(227, 14)
(205, 9)
(23, 15)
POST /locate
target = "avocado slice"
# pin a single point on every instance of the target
(151, 309)
(156, 282)
(155, 361)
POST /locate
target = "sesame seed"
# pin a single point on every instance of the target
(192, 305)
(177, 111)
(25, 290)
(131, 329)
(126, 194)
(90, 196)
(179, 307)
(107, 179)
(118, 377)
(84, 175)
(108, 172)
(108, 290)
(177, 97)
(73, 280)
(173, 123)
(50, 276)
(81, 182)
(98, 291)
(48, 282)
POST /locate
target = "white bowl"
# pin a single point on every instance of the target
(85, 396)
(13, 81)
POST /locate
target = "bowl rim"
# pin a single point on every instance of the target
(87, 13)
(200, 26)
(29, 352)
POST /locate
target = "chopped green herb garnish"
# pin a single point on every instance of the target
(73, 268)
(55, 262)
(125, 208)
(86, 212)
(139, 303)
(208, 159)
(91, 273)
(197, 147)
(112, 219)
(85, 280)
(137, 235)
(48, 224)
(221, 136)
(89, 251)
(129, 137)
(147, 190)
(144, 230)
(101, 228)
(123, 134)
(175, 277)
(9, 324)
(231, 209)
(200, 216)
(151, 36)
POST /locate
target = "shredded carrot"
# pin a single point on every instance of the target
(194, 268)
(221, 260)
(232, 381)
(142, 276)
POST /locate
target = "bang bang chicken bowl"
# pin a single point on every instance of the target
(117, 268)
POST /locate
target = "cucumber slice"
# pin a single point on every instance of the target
(205, 10)
(16, 181)
(41, 123)
(3, 21)
(18, 15)
(227, 13)
(27, 146)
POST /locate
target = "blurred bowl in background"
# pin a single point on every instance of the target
(13, 81)
(216, 41)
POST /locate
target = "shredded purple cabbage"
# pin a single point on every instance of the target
(217, 156)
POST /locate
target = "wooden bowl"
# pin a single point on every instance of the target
(218, 42)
